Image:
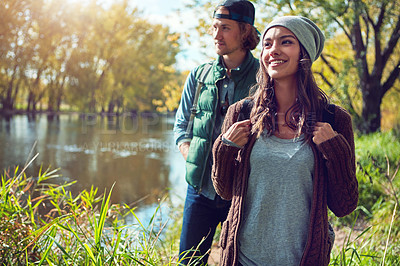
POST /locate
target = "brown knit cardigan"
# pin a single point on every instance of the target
(334, 186)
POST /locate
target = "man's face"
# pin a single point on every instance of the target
(226, 34)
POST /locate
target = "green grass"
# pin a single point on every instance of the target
(372, 231)
(41, 223)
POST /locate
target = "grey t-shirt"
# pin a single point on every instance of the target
(278, 202)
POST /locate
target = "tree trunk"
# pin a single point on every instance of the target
(58, 103)
(50, 105)
(8, 102)
(111, 107)
(29, 102)
(371, 108)
(60, 94)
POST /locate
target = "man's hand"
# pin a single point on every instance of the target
(184, 149)
(322, 132)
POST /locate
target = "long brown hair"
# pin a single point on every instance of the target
(250, 38)
(302, 115)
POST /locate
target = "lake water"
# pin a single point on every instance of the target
(136, 152)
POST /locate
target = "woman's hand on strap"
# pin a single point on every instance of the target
(322, 132)
(239, 132)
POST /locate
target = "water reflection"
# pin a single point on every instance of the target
(134, 151)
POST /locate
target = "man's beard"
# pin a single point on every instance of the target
(228, 51)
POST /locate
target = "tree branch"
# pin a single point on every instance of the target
(391, 79)
(348, 34)
(330, 66)
(359, 48)
(379, 63)
(392, 41)
(325, 79)
(367, 20)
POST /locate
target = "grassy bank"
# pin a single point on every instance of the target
(370, 235)
(43, 224)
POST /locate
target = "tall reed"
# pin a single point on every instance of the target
(42, 223)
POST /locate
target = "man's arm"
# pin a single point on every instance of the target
(183, 114)
(184, 149)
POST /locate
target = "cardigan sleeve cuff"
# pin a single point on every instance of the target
(335, 147)
(230, 143)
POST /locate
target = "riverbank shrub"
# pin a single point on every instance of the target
(43, 224)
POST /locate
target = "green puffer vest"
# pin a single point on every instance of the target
(204, 120)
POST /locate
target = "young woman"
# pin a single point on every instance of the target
(284, 166)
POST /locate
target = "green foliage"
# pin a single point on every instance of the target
(19, 217)
(378, 157)
(372, 238)
(43, 224)
(171, 94)
(376, 147)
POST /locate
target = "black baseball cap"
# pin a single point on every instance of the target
(239, 10)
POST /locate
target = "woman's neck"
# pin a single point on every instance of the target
(286, 94)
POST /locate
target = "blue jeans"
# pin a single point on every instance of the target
(201, 216)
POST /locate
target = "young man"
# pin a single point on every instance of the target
(199, 117)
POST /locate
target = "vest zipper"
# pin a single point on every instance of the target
(211, 142)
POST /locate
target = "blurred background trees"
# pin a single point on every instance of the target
(82, 55)
(57, 54)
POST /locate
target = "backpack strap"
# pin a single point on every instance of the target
(246, 110)
(200, 83)
(328, 115)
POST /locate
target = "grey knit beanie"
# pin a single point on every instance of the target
(308, 34)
